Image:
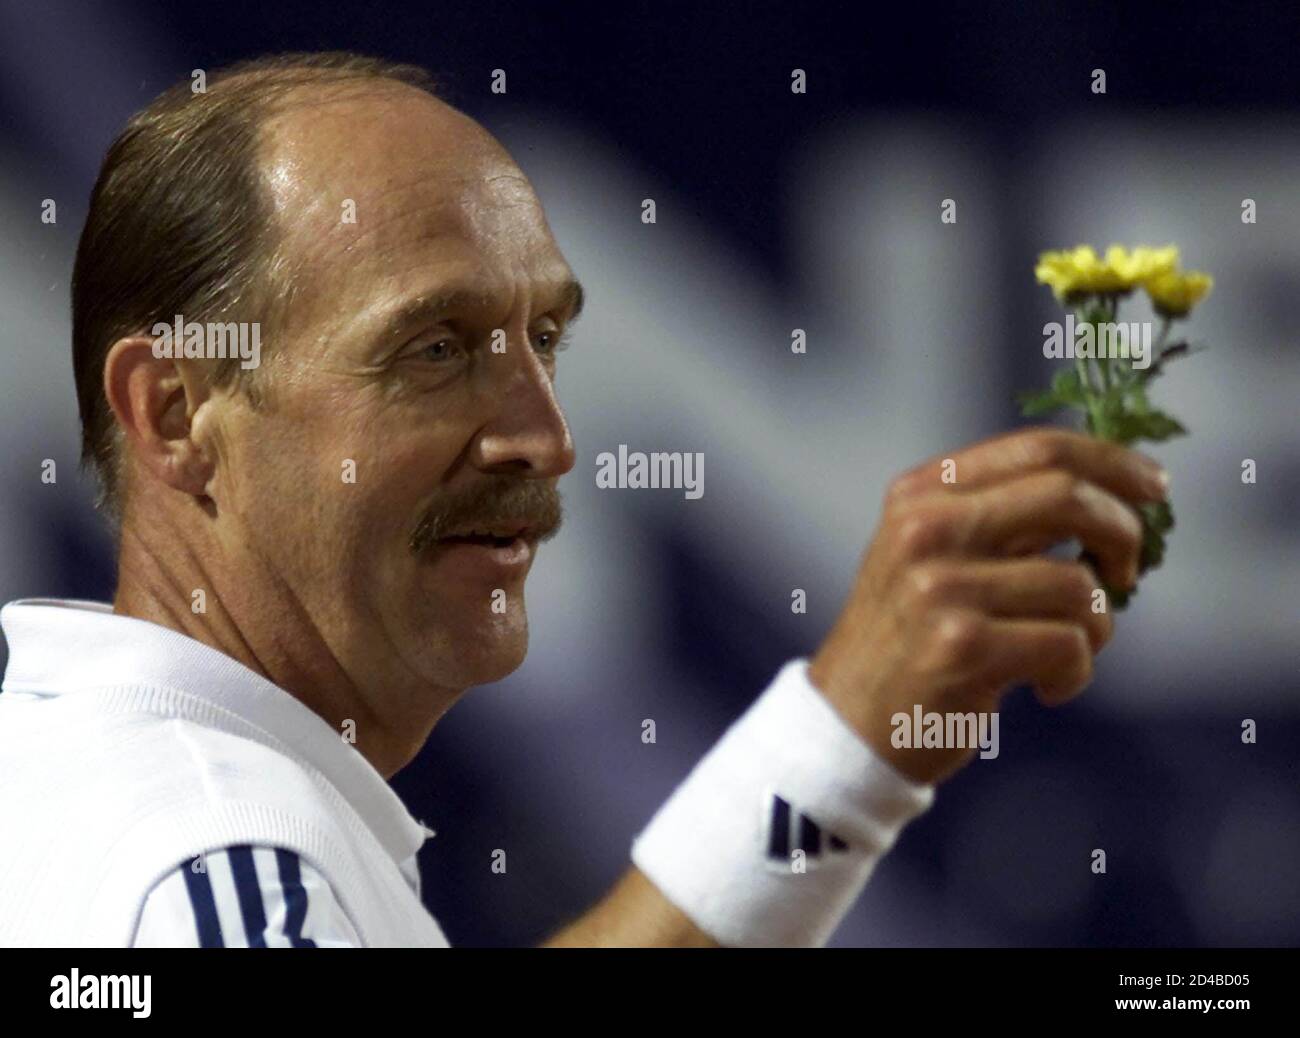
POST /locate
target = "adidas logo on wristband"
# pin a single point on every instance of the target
(788, 832)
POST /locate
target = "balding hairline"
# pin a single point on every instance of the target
(204, 242)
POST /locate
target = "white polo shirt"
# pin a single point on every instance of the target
(154, 791)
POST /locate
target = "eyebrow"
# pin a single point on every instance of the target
(429, 307)
(572, 298)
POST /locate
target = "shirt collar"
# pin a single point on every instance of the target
(59, 646)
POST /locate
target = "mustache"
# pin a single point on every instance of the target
(496, 498)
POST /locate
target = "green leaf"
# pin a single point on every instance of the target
(1066, 386)
(1118, 599)
(1065, 392)
(1138, 395)
(1147, 425)
(1157, 520)
(1034, 404)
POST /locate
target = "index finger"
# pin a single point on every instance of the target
(1124, 472)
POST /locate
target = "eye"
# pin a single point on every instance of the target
(440, 350)
(550, 342)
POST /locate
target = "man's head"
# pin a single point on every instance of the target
(383, 478)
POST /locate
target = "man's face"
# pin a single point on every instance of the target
(402, 471)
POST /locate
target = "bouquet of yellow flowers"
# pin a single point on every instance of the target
(1114, 361)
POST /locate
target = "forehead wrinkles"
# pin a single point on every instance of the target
(410, 236)
(429, 185)
(413, 230)
(503, 203)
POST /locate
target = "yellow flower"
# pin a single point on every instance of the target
(1142, 264)
(1174, 293)
(1078, 272)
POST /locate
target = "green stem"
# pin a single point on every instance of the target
(1105, 363)
(1083, 320)
(1089, 398)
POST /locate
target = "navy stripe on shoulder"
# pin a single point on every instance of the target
(295, 898)
(249, 892)
(204, 905)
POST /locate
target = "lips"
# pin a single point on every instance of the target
(499, 534)
(487, 552)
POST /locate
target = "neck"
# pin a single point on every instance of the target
(242, 608)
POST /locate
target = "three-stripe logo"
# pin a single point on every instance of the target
(789, 831)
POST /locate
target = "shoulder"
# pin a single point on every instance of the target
(103, 756)
(244, 896)
(178, 773)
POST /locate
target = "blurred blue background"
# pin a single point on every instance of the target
(779, 211)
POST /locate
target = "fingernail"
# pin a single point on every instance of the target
(1153, 468)
(1155, 472)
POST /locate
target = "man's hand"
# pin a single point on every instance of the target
(950, 607)
(952, 604)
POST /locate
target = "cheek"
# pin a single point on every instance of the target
(384, 481)
(257, 459)
(345, 475)
(292, 487)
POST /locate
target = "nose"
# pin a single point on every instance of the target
(528, 435)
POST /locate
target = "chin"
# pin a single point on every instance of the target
(485, 655)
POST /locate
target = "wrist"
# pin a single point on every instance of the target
(776, 831)
(864, 709)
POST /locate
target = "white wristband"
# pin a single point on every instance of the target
(773, 835)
